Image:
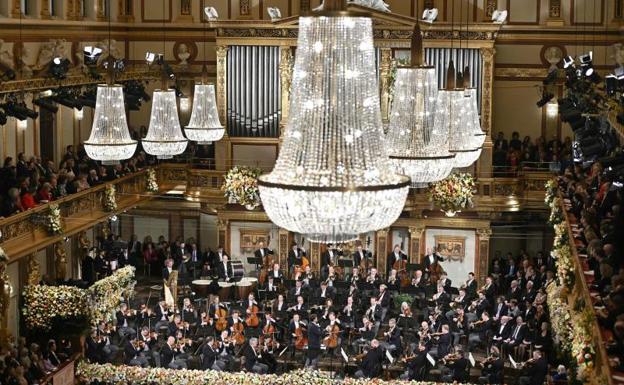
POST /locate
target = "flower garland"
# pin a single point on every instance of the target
(43, 304)
(110, 199)
(151, 184)
(582, 344)
(241, 185)
(106, 294)
(52, 220)
(565, 266)
(125, 375)
(3, 256)
(551, 191)
(453, 193)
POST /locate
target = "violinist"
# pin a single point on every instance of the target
(459, 302)
(253, 356)
(314, 343)
(492, 368)
(145, 316)
(149, 340)
(268, 350)
(478, 330)
(477, 307)
(225, 345)
(416, 368)
(459, 325)
(397, 255)
(370, 366)
(105, 332)
(205, 328)
(170, 353)
(374, 313)
(424, 334)
(456, 368)
(536, 370)
(162, 315)
(93, 347)
(134, 353)
(366, 333)
(188, 312)
(392, 338)
(210, 356)
(125, 317)
(178, 325)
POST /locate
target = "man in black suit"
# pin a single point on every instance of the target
(393, 338)
(169, 353)
(225, 269)
(360, 254)
(177, 251)
(471, 285)
(457, 369)
(445, 342)
(479, 331)
(262, 251)
(252, 358)
(371, 364)
(445, 282)
(503, 330)
(492, 372)
(295, 257)
(384, 300)
(432, 258)
(217, 256)
(329, 257)
(314, 343)
(417, 366)
(516, 336)
(209, 361)
(500, 309)
(396, 256)
(536, 372)
(374, 313)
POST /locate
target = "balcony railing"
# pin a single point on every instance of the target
(24, 232)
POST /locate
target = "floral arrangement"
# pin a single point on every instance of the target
(560, 319)
(582, 344)
(453, 193)
(110, 199)
(44, 304)
(241, 186)
(565, 267)
(3, 256)
(52, 220)
(551, 191)
(151, 184)
(556, 214)
(106, 294)
(126, 375)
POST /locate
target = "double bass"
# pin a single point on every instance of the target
(267, 265)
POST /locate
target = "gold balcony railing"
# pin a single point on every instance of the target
(25, 232)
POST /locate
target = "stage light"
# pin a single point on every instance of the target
(211, 13)
(58, 68)
(78, 114)
(46, 104)
(20, 111)
(45, 94)
(586, 59)
(499, 17)
(430, 15)
(274, 13)
(568, 61)
(151, 58)
(91, 54)
(184, 104)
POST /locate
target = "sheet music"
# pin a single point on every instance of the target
(344, 355)
(389, 357)
(430, 359)
(513, 363)
(471, 359)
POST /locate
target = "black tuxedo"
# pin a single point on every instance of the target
(392, 258)
(250, 358)
(210, 356)
(517, 334)
(374, 316)
(538, 371)
(314, 336)
(371, 364)
(357, 257)
(295, 258)
(267, 251)
(494, 372)
(395, 338)
(444, 345)
(167, 355)
(503, 332)
(500, 310)
(223, 269)
(459, 370)
(326, 258)
(385, 300)
(432, 259)
(471, 288)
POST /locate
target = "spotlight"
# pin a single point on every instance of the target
(552, 110)
(499, 17)
(568, 61)
(91, 54)
(113, 218)
(546, 97)
(274, 13)
(118, 65)
(46, 104)
(58, 68)
(169, 71)
(184, 104)
(20, 111)
(430, 15)
(45, 94)
(586, 59)
(151, 58)
(211, 13)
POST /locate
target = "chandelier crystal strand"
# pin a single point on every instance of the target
(416, 146)
(465, 127)
(164, 137)
(204, 126)
(332, 179)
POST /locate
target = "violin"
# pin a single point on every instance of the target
(221, 315)
(252, 318)
(331, 341)
(300, 340)
(237, 333)
(451, 357)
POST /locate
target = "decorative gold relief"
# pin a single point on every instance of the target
(453, 248)
(60, 260)
(221, 81)
(385, 69)
(33, 272)
(250, 238)
(286, 70)
(554, 9)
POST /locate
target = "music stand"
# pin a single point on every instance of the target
(254, 261)
(277, 281)
(414, 267)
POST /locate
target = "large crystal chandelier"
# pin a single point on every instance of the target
(164, 137)
(332, 179)
(204, 126)
(110, 139)
(466, 135)
(417, 147)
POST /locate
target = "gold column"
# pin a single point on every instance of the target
(125, 12)
(416, 234)
(554, 14)
(33, 270)
(223, 229)
(60, 260)
(381, 244)
(185, 15)
(45, 10)
(283, 247)
(483, 257)
(484, 165)
(385, 69)
(315, 256)
(286, 70)
(223, 150)
(100, 12)
(5, 301)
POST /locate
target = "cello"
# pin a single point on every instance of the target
(331, 341)
(252, 316)
(237, 333)
(300, 340)
(221, 315)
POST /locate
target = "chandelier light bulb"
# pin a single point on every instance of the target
(110, 139)
(164, 137)
(204, 126)
(333, 180)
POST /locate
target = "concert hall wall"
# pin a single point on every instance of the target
(457, 271)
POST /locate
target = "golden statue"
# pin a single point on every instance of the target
(84, 244)
(60, 260)
(34, 275)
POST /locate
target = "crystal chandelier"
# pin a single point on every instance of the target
(466, 135)
(204, 126)
(110, 139)
(332, 179)
(164, 137)
(417, 147)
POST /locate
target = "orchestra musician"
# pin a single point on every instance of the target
(217, 257)
(328, 258)
(225, 269)
(314, 343)
(478, 330)
(384, 300)
(297, 291)
(278, 308)
(324, 293)
(373, 277)
(262, 251)
(171, 355)
(456, 367)
(348, 314)
(417, 364)
(275, 272)
(492, 368)
(431, 258)
(188, 312)
(360, 254)
(354, 277)
(397, 255)
(226, 349)
(471, 285)
(445, 282)
(536, 370)
(370, 366)
(105, 332)
(253, 354)
(374, 313)
(134, 353)
(125, 317)
(392, 337)
(149, 340)
(210, 356)
(366, 333)
(299, 308)
(295, 257)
